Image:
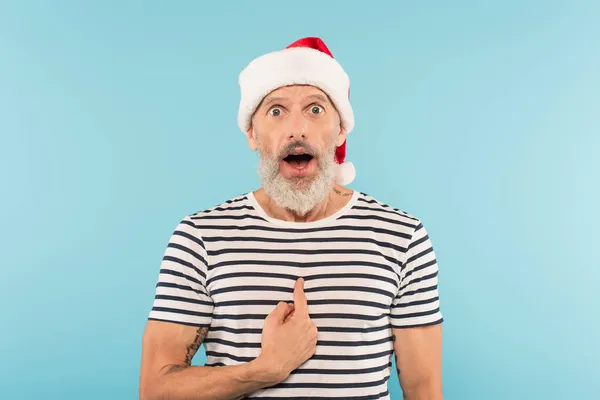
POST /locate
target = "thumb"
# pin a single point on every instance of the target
(281, 312)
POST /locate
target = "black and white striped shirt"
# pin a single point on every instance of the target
(367, 268)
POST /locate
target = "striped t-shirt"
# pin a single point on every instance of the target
(367, 268)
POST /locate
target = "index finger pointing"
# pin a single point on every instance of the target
(300, 302)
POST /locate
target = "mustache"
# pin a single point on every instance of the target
(307, 148)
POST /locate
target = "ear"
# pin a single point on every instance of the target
(341, 137)
(251, 139)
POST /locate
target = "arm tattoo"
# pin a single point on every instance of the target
(191, 350)
(175, 368)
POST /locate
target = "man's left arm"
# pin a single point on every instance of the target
(419, 361)
(417, 321)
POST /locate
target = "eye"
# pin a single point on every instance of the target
(275, 111)
(316, 109)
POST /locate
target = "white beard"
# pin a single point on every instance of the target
(298, 194)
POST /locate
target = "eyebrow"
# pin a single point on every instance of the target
(280, 99)
(319, 97)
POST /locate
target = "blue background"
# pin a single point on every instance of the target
(118, 118)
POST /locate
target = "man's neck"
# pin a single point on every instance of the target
(337, 198)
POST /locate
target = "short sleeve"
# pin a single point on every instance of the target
(181, 295)
(417, 301)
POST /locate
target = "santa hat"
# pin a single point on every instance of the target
(307, 61)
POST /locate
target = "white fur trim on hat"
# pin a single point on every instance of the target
(296, 65)
(345, 173)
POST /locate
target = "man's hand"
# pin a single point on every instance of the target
(289, 337)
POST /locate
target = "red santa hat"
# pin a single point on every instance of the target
(307, 61)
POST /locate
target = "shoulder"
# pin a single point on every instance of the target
(193, 224)
(370, 205)
(408, 224)
(236, 203)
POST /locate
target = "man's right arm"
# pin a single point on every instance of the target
(166, 371)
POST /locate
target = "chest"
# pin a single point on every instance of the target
(347, 283)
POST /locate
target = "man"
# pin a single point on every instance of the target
(302, 289)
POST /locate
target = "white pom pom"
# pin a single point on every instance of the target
(345, 173)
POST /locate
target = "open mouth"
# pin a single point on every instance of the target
(299, 161)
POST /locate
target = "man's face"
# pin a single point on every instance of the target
(296, 130)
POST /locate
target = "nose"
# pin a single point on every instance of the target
(298, 128)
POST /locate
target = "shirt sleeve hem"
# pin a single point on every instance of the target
(436, 322)
(178, 322)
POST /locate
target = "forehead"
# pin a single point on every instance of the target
(296, 92)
